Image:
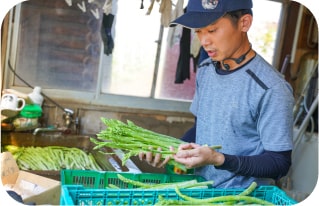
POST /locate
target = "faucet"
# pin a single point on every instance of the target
(68, 116)
(39, 130)
(69, 119)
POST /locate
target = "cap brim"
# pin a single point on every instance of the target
(196, 19)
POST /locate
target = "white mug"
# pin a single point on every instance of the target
(12, 102)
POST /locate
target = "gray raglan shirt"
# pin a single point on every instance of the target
(246, 111)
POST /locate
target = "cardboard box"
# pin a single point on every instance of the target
(32, 188)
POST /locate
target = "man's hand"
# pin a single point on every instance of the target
(154, 159)
(193, 155)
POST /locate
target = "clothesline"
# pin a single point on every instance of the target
(166, 8)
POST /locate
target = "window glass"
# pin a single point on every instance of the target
(166, 87)
(130, 68)
(263, 32)
(58, 46)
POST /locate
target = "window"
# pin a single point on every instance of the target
(263, 32)
(58, 47)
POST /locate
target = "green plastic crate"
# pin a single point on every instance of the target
(101, 179)
(79, 195)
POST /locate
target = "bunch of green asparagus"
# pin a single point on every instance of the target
(133, 140)
(52, 158)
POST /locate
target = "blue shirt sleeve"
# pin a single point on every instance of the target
(270, 164)
(190, 135)
(267, 165)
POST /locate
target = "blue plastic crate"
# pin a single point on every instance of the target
(79, 195)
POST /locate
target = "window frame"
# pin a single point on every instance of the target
(98, 98)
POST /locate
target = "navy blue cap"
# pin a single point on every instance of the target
(201, 13)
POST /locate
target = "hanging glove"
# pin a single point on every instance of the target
(106, 33)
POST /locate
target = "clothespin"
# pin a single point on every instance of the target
(96, 13)
(82, 6)
(69, 2)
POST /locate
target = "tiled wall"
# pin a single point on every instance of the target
(169, 123)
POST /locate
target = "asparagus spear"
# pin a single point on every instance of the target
(226, 198)
(172, 185)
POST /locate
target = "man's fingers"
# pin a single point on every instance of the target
(157, 158)
(183, 154)
(149, 157)
(165, 161)
(141, 156)
(154, 160)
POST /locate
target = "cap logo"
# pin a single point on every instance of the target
(209, 4)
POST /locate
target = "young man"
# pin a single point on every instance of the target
(240, 103)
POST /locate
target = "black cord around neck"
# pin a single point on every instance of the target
(237, 60)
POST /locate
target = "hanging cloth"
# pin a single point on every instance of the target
(183, 67)
(166, 12)
(195, 45)
(174, 33)
(150, 8)
(106, 33)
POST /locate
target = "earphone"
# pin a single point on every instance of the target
(237, 60)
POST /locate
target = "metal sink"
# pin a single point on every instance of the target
(28, 139)
(24, 139)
